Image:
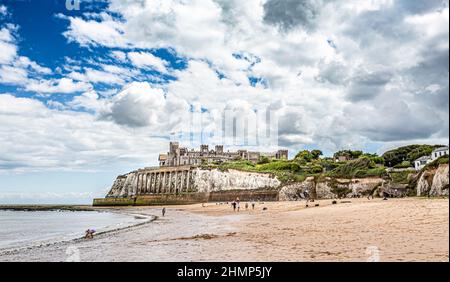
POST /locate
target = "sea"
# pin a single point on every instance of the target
(20, 229)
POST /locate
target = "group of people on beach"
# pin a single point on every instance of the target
(236, 204)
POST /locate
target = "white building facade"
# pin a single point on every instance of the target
(421, 162)
(439, 152)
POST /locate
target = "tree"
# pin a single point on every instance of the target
(264, 160)
(304, 155)
(407, 153)
(316, 154)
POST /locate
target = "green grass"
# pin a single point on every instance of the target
(298, 170)
(437, 162)
(360, 168)
(400, 177)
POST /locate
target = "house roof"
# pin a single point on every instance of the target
(424, 158)
(441, 149)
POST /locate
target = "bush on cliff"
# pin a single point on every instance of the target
(362, 167)
(401, 177)
(407, 153)
(437, 162)
(404, 164)
(348, 153)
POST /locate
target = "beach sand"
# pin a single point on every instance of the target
(413, 229)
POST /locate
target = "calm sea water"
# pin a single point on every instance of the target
(29, 228)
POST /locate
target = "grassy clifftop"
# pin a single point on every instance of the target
(352, 164)
(306, 164)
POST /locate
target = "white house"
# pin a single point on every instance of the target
(421, 162)
(439, 152)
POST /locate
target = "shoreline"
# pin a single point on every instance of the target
(410, 229)
(56, 208)
(46, 208)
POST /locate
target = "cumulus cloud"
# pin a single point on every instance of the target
(63, 85)
(36, 138)
(15, 69)
(288, 14)
(141, 105)
(147, 60)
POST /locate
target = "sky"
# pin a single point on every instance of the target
(92, 91)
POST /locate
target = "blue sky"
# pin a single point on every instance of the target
(88, 94)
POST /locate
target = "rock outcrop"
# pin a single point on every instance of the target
(296, 191)
(124, 186)
(215, 180)
(434, 181)
(329, 188)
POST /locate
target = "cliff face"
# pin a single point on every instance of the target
(431, 182)
(329, 188)
(215, 180)
(434, 182)
(124, 186)
(202, 181)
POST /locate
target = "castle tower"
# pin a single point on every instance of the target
(204, 149)
(173, 147)
(219, 149)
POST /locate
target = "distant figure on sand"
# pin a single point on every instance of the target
(238, 203)
(253, 205)
(234, 205)
(246, 206)
(163, 212)
(306, 197)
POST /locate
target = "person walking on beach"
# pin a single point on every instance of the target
(238, 206)
(253, 205)
(246, 206)
(306, 197)
(163, 212)
(234, 206)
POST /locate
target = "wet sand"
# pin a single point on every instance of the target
(413, 229)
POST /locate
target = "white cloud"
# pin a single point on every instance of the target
(8, 51)
(15, 69)
(97, 76)
(13, 75)
(107, 33)
(119, 55)
(63, 85)
(25, 62)
(141, 105)
(147, 60)
(3, 10)
(66, 140)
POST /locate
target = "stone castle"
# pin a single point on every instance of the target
(178, 156)
(180, 179)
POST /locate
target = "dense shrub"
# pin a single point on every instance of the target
(407, 153)
(404, 164)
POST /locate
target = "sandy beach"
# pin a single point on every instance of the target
(413, 229)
